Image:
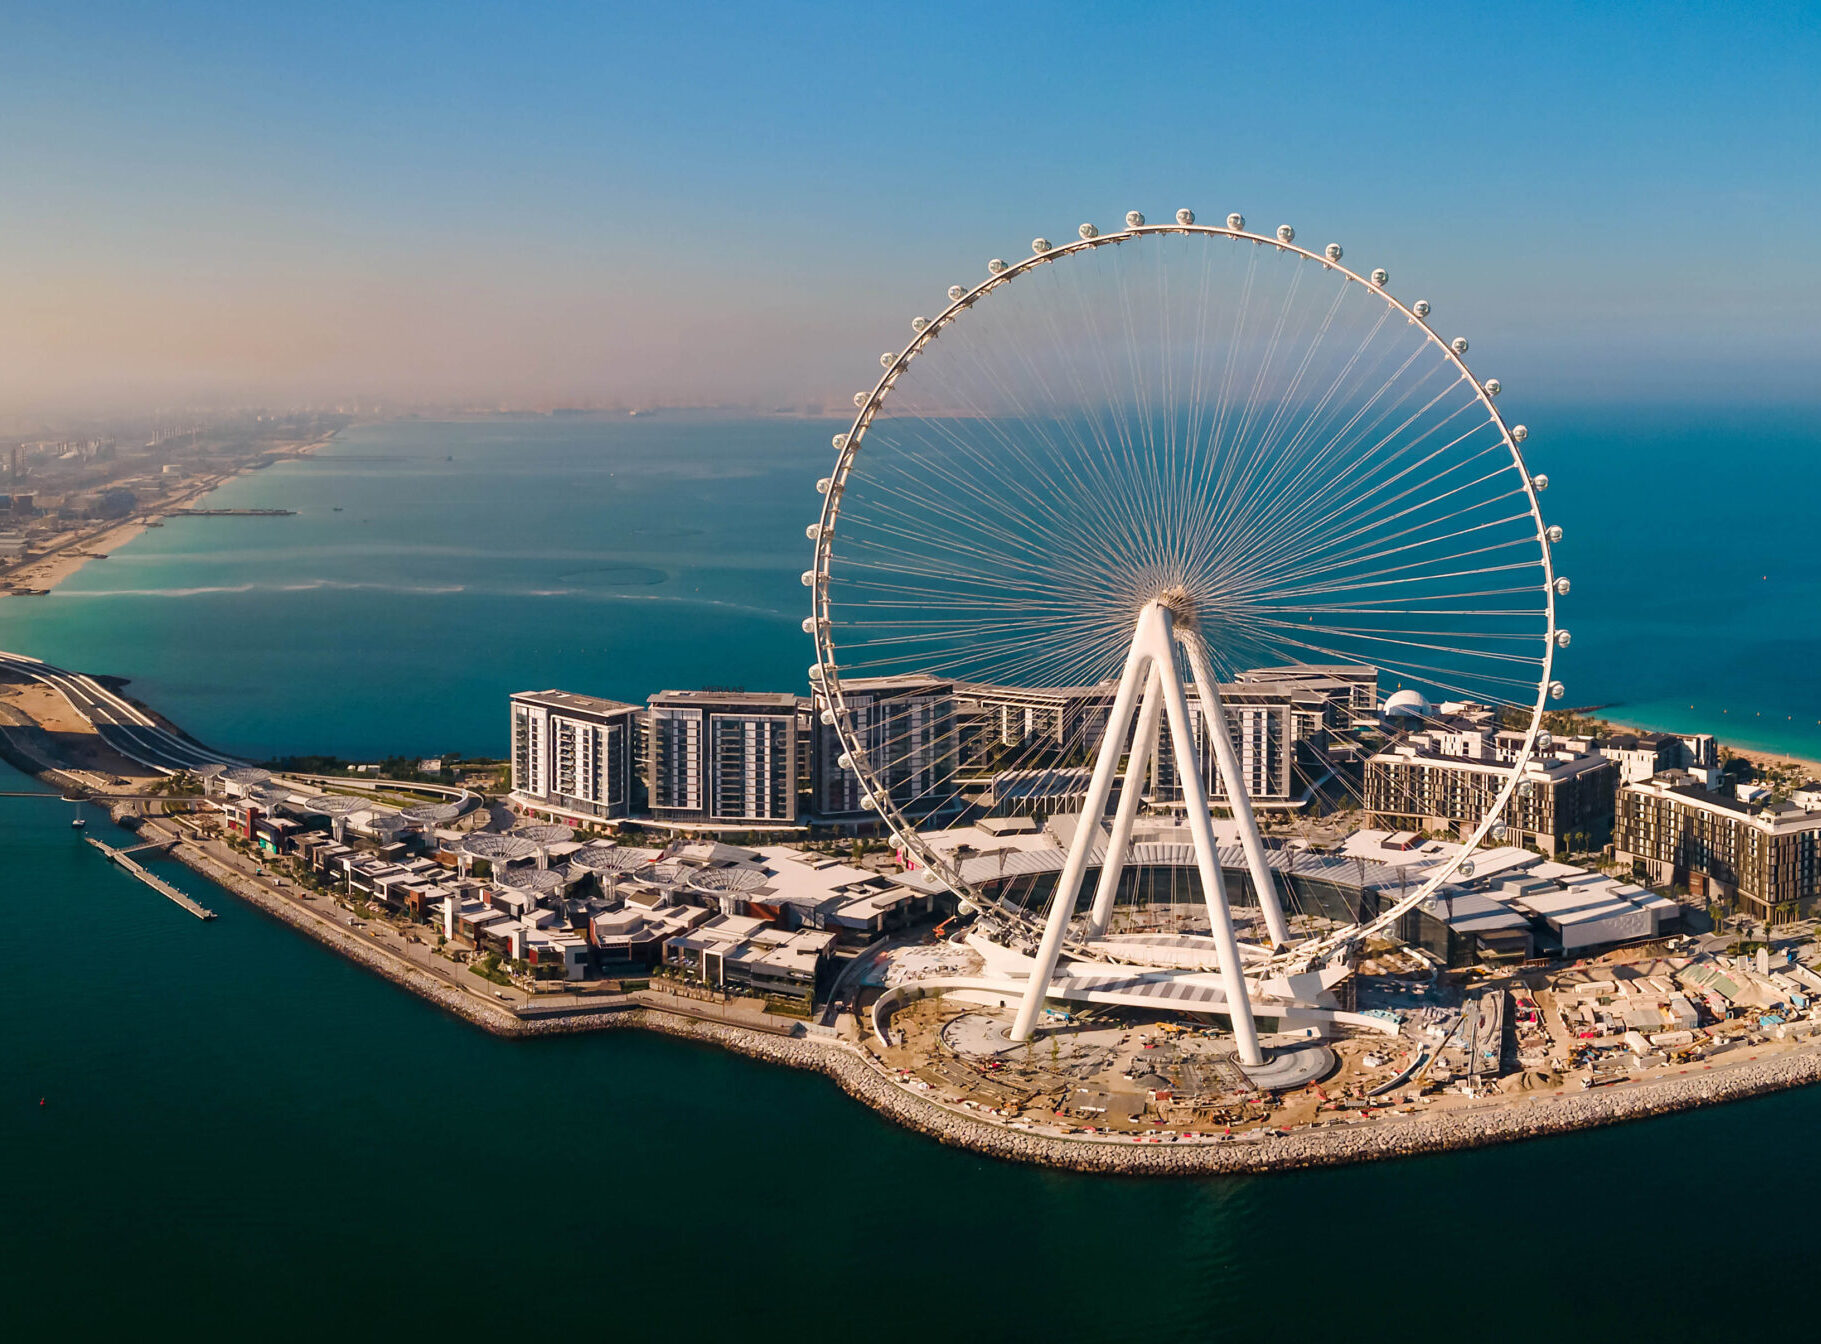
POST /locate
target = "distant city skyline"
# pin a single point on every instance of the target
(554, 205)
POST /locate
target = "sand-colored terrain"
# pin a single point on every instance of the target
(41, 725)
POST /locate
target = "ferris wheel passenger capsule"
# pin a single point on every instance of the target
(814, 531)
(1285, 234)
(1499, 831)
(1554, 533)
(839, 441)
(1088, 231)
(1519, 433)
(809, 578)
(887, 359)
(1562, 639)
(1381, 277)
(868, 802)
(997, 266)
(1236, 221)
(1458, 345)
(1561, 587)
(919, 324)
(1185, 216)
(815, 671)
(955, 292)
(1544, 741)
(1134, 220)
(1539, 482)
(1420, 307)
(810, 625)
(1039, 246)
(859, 400)
(845, 761)
(828, 718)
(1493, 387)
(1332, 252)
(1557, 690)
(824, 485)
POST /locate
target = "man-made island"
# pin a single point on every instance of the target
(1657, 956)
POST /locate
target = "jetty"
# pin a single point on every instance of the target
(230, 513)
(124, 857)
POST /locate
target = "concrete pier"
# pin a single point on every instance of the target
(158, 884)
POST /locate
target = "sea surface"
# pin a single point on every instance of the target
(433, 568)
(215, 1129)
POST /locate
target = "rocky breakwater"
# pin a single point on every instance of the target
(1522, 1118)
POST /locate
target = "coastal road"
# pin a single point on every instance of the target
(125, 727)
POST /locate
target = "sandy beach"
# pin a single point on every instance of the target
(46, 571)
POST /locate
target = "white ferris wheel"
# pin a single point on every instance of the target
(1107, 481)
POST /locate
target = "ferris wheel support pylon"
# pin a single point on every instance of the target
(1154, 652)
(1131, 793)
(1239, 797)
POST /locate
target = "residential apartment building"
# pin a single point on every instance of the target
(1763, 856)
(1641, 755)
(724, 758)
(573, 754)
(1051, 725)
(1280, 733)
(1353, 686)
(1562, 802)
(908, 730)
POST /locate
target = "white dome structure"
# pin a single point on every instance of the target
(1410, 704)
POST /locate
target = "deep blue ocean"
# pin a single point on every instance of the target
(224, 1129)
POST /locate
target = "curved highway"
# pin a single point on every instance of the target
(125, 727)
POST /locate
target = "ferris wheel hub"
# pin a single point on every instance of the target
(1179, 601)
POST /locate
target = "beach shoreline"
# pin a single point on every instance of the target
(43, 573)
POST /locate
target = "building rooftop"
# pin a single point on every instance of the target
(742, 699)
(568, 700)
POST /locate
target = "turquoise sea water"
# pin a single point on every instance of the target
(625, 556)
(241, 1132)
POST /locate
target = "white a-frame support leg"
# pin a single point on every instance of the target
(1239, 798)
(1093, 808)
(1131, 793)
(1153, 649)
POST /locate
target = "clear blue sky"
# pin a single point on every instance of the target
(664, 201)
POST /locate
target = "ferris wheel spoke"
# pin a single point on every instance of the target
(1315, 426)
(1383, 510)
(1423, 534)
(1304, 519)
(1349, 578)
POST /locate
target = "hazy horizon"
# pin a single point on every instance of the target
(212, 205)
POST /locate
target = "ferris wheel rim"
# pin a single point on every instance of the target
(826, 675)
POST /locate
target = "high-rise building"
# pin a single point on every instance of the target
(907, 728)
(573, 754)
(722, 757)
